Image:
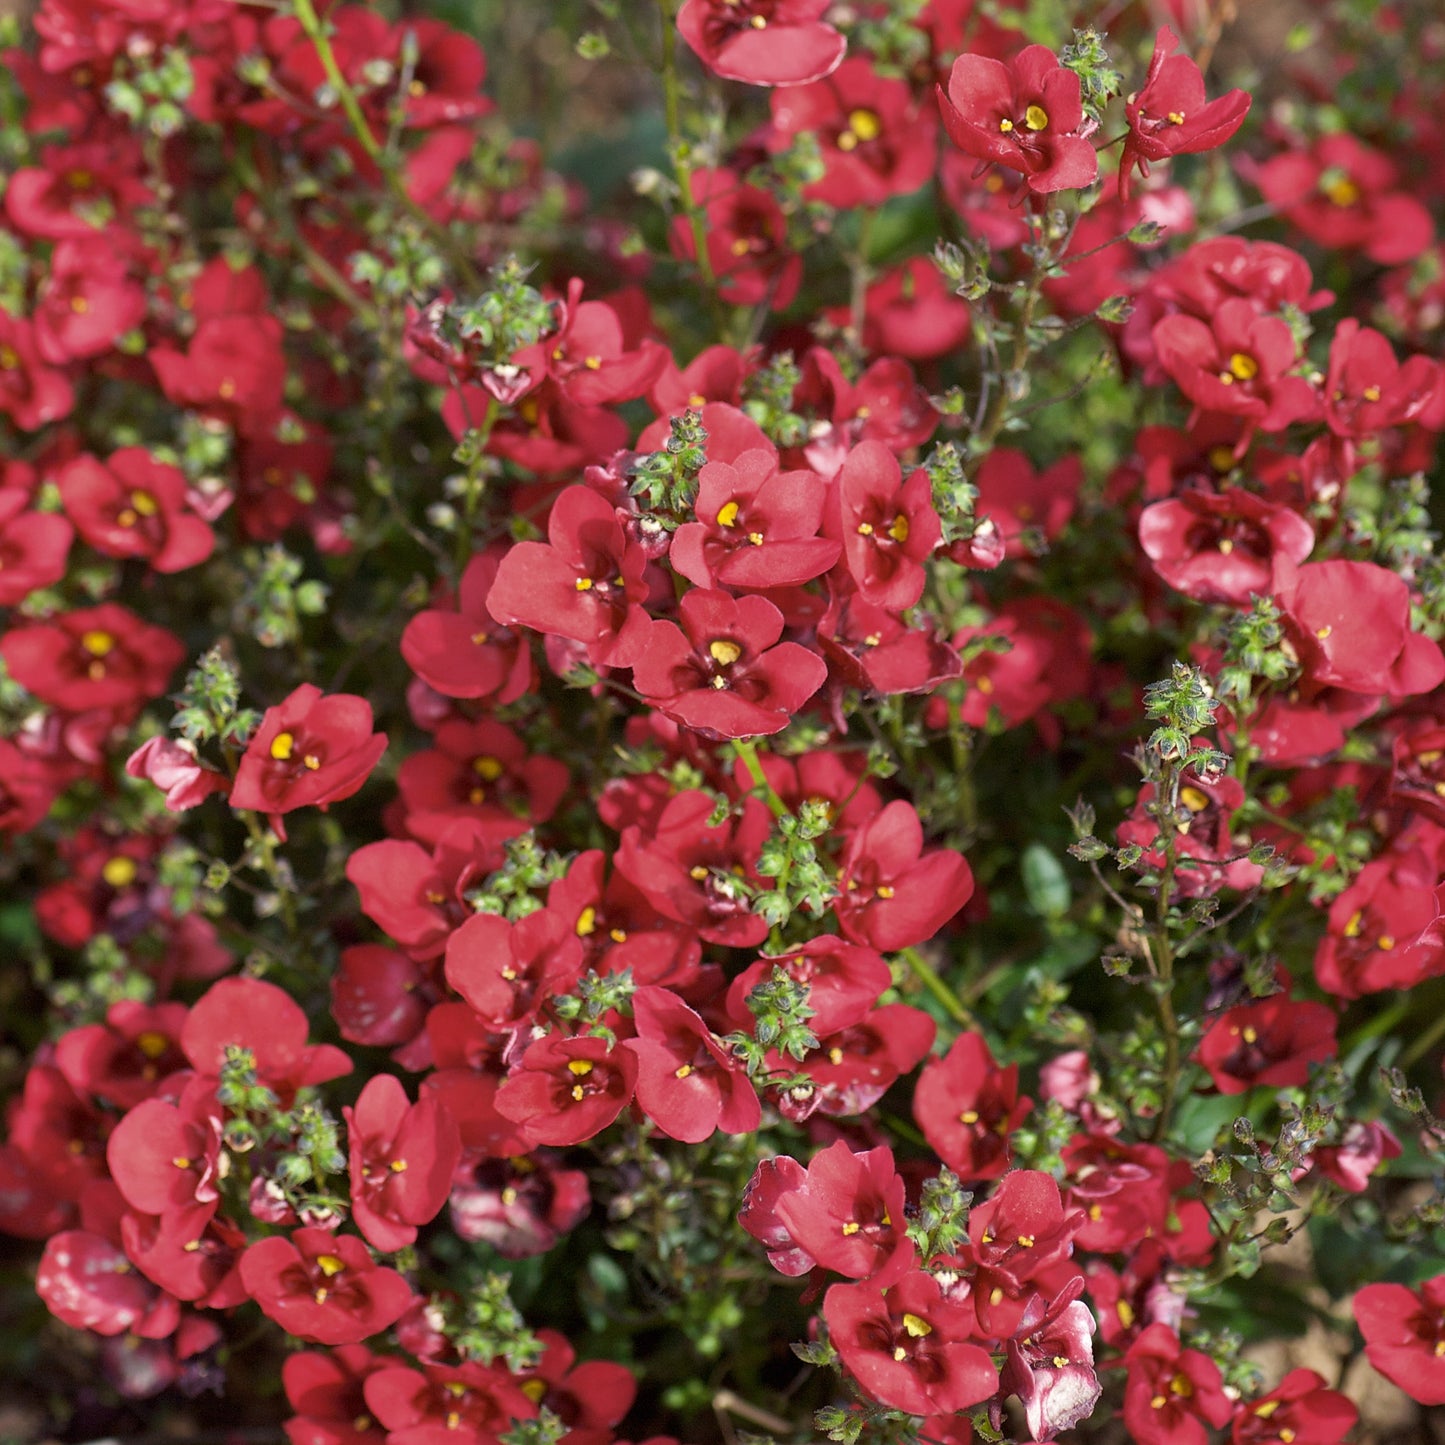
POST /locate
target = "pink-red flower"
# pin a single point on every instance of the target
(1404, 1332)
(324, 1287)
(310, 750)
(403, 1156)
(724, 672)
(762, 42)
(909, 1347)
(1026, 115)
(1169, 116)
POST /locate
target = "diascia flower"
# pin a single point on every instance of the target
(887, 526)
(132, 505)
(909, 1348)
(1170, 116)
(1026, 115)
(688, 1083)
(724, 672)
(310, 750)
(94, 657)
(1404, 1334)
(324, 1287)
(403, 1156)
(762, 42)
(967, 1107)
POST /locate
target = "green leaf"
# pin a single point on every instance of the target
(1045, 882)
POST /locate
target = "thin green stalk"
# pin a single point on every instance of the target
(381, 157)
(747, 751)
(927, 975)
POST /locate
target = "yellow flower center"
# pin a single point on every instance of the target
(119, 872)
(723, 652)
(97, 644)
(282, 747)
(1036, 118)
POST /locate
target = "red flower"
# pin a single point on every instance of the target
(910, 311)
(30, 391)
(507, 971)
(724, 672)
(1404, 1334)
(845, 1213)
(586, 356)
(853, 1068)
(1367, 389)
(1350, 624)
(1026, 115)
(1222, 546)
(1050, 1365)
(688, 1083)
(95, 657)
(1171, 1392)
(127, 1058)
(968, 1107)
(1021, 1232)
(566, 1091)
(87, 1282)
(1239, 363)
(324, 1287)
(689, 869)
(325, 1389)
(1299, 1404)
(910, 1348)
(520, 1206)
(192, 1252)
(843, 981)
(1363, 1147)
(233, 369)
(263, 1019)
(483, 771)
(310, 750)
(88, 301)
(874, 138)
(588, 1398)
(402, 1160)
(173, 768)
(762, 42)
(892, 894)
(463, 652)
(1345, 195)
(1170, 116)
(585, 582)
(757, 527)
(1271, 1041)
(744, 230)
(1025, 505)
(163, 1157)
(33, 546)
(131, 505)
(887, 526)
(468, 1404)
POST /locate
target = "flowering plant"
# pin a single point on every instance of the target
(783, 771)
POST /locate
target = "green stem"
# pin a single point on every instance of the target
(678, 151)
(928, 977)
(1161, 951)
(1423, 1042)
(384, 160)
(264, 843)
(747, 751)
